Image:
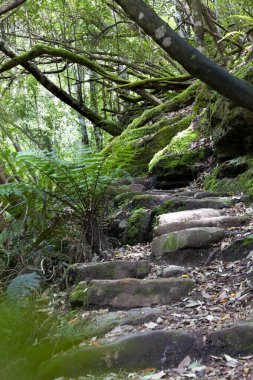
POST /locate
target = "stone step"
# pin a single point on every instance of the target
(215, 203)
(185, 216)
(155, 349)
(190, 238)
(209, 194)
(100, 324)
(129, 293)
(218, 221)
(110, 270)
(174, 203)
(172, 271)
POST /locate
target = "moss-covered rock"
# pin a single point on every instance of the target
(232, 126)
(234, 176)
(157, 349)
(138, 226)
(178, 163)
(189, 238)
(144, 142)
(129, 293)
(110, 270)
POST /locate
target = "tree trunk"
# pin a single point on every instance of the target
(198, 23)
(197, 64)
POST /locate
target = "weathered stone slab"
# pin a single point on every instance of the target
(215, 203)
(216, 221)
(129, 317)
(239, 249)
(139, 227)
(134, 187)
(184, 216)
(125, 197)
(111, 270)
(129, 293)
(149, 201)
(236, 339)
(157, 349)
(172, 270)
(190, 238)
(209, 194)
(101, 324)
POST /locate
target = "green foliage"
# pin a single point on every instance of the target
(23, 286)
(28, 337)
(80, 187)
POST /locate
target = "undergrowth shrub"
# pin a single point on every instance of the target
(53, 192)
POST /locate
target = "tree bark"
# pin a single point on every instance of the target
(196, 63)
(9, 5)
(195, 6)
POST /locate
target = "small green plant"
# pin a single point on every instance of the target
(79, 187)
(24, 286)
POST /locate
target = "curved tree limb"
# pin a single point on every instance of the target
(196, 63)
(9, 5)
(39, 50)
(107, 125)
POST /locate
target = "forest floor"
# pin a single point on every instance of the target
(223, 295)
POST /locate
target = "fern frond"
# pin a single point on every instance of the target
(24, 286)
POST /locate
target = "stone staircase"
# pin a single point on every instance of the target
(130, 296)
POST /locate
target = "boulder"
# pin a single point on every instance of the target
(172, 271)
(232, 129)
(238, 250)
(149, 201)
(110, 270)
(232, 176)
(236, 339)
(184, 216)
(218, 221)
(190, 238)
(179, 162)
(156, 349)
(101, 324)
(142, 142)
(129, 293)
(139, 227)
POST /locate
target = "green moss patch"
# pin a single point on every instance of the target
(179, 161)
(138, 224)
(242, 183)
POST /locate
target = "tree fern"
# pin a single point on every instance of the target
(24, 286)
(84, 183)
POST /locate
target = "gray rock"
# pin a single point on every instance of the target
(209, 194)
(129, 317)
(216, 221)
(158, 349)
(110, 270)
(215, 203)
(238, 250)
(99, 325)
(130, 293)
(134, 187)
(190, 238)
(149, 201)
(236, 339)
(172, 270)
(184, 216)
(139, 227)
